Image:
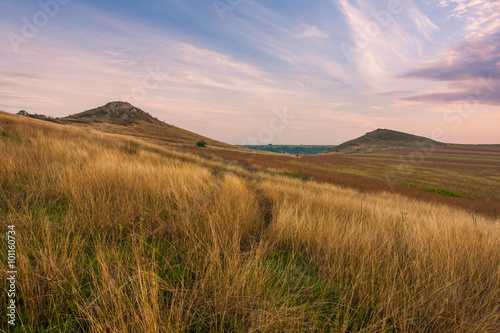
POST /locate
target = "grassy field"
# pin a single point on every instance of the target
(471, 172)
(115, 234)
(291, 149)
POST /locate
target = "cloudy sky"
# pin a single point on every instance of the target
(224, 69)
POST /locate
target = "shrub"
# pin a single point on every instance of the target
(201, 143)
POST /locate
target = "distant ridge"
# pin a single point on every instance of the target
(384, 139)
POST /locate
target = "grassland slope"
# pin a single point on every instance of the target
(112, 239)
(124, 118)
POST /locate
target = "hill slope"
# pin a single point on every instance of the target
(157, 240)
(124, 118)
(384, 139)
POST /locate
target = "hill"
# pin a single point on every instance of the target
(126, 119)
(384, 139)
(118, 113)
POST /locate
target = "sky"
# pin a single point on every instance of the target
(259, 72)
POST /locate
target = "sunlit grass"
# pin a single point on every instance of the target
(119, 235)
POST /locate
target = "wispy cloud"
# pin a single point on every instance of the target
(468, 95)
(383, 40)
(291, 46)
(313, 32)
(471, 65)
(338, 104)
(479, 14)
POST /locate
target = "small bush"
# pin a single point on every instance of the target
(201, 143)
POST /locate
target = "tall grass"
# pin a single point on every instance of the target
(119, 235)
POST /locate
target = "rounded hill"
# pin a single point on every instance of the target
(384, 139)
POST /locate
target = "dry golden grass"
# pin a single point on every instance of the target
(120, 235)
(477, 180)
(154, 131)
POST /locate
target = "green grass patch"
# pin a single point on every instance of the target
(296, 175)
(55, 210)
(294, 283)
(291, 174)
(438, 191)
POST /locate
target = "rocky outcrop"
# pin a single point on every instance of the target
(39, 116)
